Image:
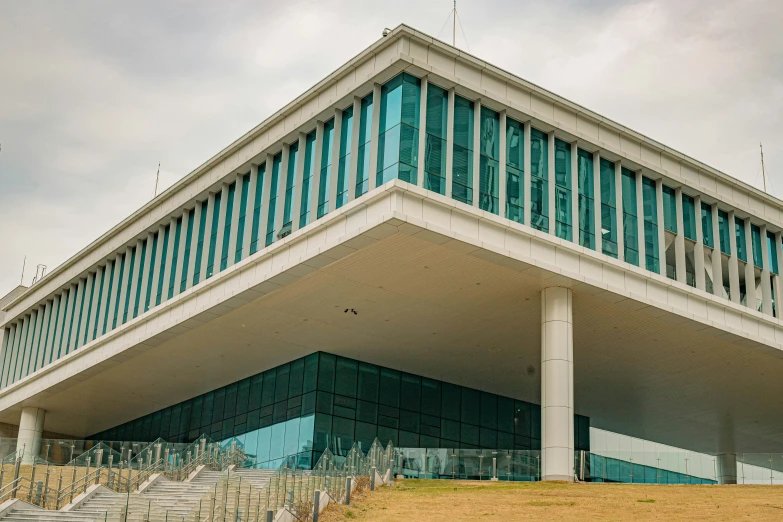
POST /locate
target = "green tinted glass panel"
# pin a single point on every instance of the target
(650, 205)
(669, 209)
(462, 168)
(515, 164)
(363, 160)
(742, 244)
(608, 209)
(489, 150)
(706, 225)
(586, 206)
(398, 142)
(307, 179)
(244, 187)
(755, 235)
(563, 218)
(290, 183)
(630, 224)
(344, 163)
(435, 140)
(273, 193)
(539, 180)
(255, 231)
(724, 231)
(325, 169)
(689, 217)
(773, 252)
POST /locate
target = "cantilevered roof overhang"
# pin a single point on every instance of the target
(445, 291)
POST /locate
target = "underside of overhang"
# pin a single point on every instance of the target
(447, 311)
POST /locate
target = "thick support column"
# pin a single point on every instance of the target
(727, 468)
(30, 432)
(557, 390)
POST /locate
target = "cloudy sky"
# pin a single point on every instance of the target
(93, 94)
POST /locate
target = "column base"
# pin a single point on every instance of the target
(558, 478)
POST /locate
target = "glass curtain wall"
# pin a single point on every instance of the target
(325, 401)
(650, 205)
(326, 169)
(563, 228)
(689, 217)
(608, 209)
(307, 179)
(515, 166)
(398, 140)
(363, 158)
(255, 231)
(630, 223)
(213, 232)
(489, 150)
(435, 142)
(244, 186)
(706, 226)
(290, 185)
(228, 214)
(539, 180)
(462, 170)
(273, 192)
(346, 133)
(755, 235)
(586, 199)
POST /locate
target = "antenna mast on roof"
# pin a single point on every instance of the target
(763, 175)
(157, 177)
(454, 27)
(21, 279)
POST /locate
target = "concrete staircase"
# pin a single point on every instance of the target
(180, 498)
(93, 509)
(258, 478)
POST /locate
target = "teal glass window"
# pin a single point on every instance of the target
(139, 279)
(398, 133)
(174, 260)
(363, 155)
(255, 231)
(608, 209)
(563, 228)
(773, 252)
(244, 184)
(202, 232)
(106, 317)
(739, 227)
(99, 296)
(515, 165)
(126, 306)
(630, 223)
(689, 217)
(489, 153)
(755, 236)
(435, 141)
(650, 206)
(185, 255)
(723, 230)
(290, 184)
(228, 212)
(462, 168)
(148, 290)
(539, 180)
(586, 199)
(270, 226)
(346, 133)
(213, 233)
(162, 266)
(307, 179)
(706, 225)
(325, 169)
(669, 209)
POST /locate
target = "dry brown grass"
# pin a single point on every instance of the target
(447, 501)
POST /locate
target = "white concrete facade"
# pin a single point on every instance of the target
(393, 208)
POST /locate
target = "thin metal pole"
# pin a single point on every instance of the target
(454, 26)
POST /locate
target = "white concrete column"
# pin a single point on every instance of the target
(717, 264)
(14, 344)
(733, 261)
(58, 311)
(551, 180)
(282, 185)
(296, 204)
(35, 335)
(661, 226)
(750, 272)
(575, 217)
(30, 347)
(766, 287)
(502, 138)
(527, 174)
(31, 427)
(679, 240)
(87, 308)
(221, 232)
(557, 390)
(207, 240)
(183, 239)
(640, 220)
(247, 234)
(62, 350)
(146, 272)
(7, 338)
(96, 297)
(232, 232)
(52, 332)
(476, 152)
(422, 130)
(134, 280)
(450, 144)
(353, 166)
(156, 262)
(338, 126)
(618, 198)
(193, 248)
(266, 194)
(776, 279)
(727, 468)
(698, 251)
(597, 226)
(164, 294)
(374, 133)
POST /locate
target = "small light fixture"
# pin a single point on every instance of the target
(386, 31)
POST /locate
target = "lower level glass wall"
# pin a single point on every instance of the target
(294, 412)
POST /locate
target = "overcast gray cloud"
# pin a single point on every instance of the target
(93, 94)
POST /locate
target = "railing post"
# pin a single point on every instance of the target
(32, 481)
(38, 491)
(316, 504)
(86, 474)
(348, 491)
(270, 515)
(46, 485)
(73, 481)
(372, 478)
(59, 488)
(16, 476)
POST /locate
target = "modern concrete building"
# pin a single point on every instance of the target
(425, 248)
